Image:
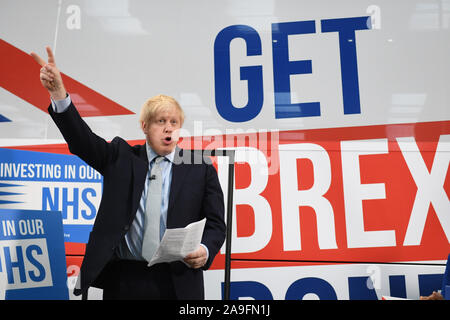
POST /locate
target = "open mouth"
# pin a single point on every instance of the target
(168, 139)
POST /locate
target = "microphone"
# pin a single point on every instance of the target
(152, 177)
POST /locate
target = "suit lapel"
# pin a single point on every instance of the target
(140, 168)
(179, 171)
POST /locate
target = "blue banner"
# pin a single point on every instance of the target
(32, 255)
(51, 182)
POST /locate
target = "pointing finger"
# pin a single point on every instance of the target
(51, 57)
(38, 59)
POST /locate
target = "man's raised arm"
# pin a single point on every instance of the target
(82, 142)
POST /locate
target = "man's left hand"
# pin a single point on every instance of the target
(196, 259)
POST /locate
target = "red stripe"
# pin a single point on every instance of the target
(20, 76)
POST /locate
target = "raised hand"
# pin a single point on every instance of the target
(50, 75)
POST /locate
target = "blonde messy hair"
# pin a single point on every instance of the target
(156, 104)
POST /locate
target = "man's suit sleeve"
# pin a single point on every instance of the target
(213, 209)
(92, 149)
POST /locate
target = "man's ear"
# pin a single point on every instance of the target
(144, 127)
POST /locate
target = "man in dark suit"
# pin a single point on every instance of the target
(118, 250)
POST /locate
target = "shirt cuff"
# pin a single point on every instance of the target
(207, 251)
(61, 105)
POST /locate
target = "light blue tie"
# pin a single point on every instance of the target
(153, 212)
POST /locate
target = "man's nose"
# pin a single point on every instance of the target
(168, 127)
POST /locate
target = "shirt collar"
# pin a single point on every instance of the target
(151, 154)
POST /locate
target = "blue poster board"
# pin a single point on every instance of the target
(52, 182)
(32, 255)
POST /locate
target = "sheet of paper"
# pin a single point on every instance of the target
(178, 243)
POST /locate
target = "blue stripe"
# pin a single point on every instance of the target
(4, 119)
(3, 185)
(4, 193)
(7, 201)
